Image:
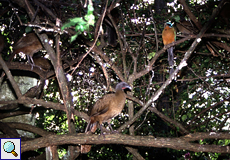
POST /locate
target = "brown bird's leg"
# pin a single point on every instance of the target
(113, 131)
(30, 59)
(101, 131)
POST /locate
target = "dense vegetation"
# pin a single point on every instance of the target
(180, 116)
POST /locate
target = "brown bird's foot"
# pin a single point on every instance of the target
(32, 66)
(112, 131)
(102, 134)
(38, 67)
(30, 60)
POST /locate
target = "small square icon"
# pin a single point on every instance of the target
(10, 148)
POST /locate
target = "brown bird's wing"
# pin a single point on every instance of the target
(25, 41)
(29, 45)
(99, 108)
(102, 105)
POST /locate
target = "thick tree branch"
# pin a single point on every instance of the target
(29, 128)
(147, 141)
(27, 67)
(45, 104)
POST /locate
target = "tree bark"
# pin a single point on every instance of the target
(185, 142)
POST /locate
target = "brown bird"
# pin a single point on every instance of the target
(106, 108)
(28, 45)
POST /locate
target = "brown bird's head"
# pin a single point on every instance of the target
(123, 86)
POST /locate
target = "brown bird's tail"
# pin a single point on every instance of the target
(112, 36)
(91, 128)
(170, 59)
(2, 42)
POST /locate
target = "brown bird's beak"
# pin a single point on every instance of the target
(127, 88)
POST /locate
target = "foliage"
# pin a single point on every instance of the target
(80, 23)
(198, 98)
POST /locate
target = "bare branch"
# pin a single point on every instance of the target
(185, 142)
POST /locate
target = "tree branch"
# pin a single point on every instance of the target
(45, 104)
(10, 77)
(184, 142)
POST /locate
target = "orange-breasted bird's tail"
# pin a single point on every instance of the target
(170, 60)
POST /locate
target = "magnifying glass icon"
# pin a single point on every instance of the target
(9, 147)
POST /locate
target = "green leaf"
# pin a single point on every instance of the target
(77, 20)
(67, 25)
(90, 9)
(90, 19)
(209, 103)
(177, 18)
(184, 117)
(73, 37)
(151, 55)
(80, 23)
(28, 29)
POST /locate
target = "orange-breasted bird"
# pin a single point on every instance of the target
(169, 36)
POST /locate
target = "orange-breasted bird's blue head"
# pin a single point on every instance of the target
(169, 24)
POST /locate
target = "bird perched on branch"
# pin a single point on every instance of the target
(28, 45)
(169, 36)
(106, 108)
